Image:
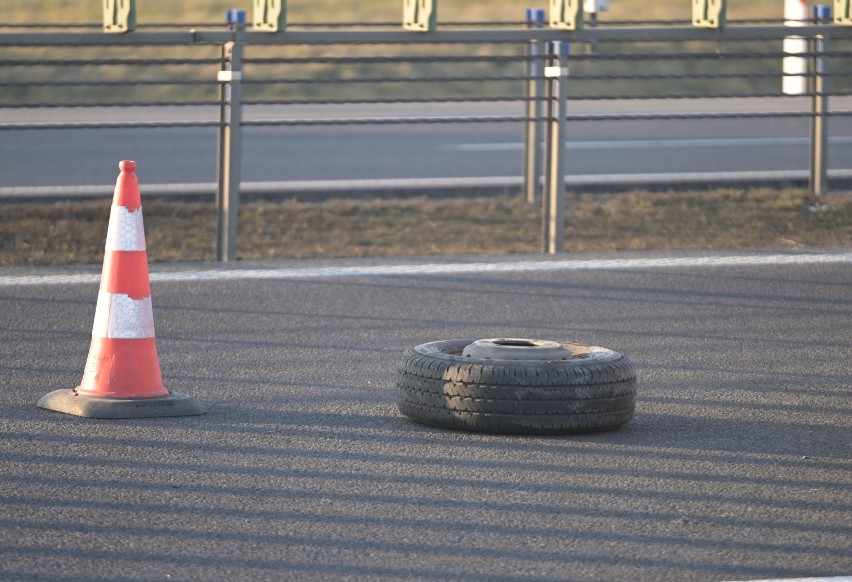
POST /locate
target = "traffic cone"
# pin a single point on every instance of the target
(122, 377)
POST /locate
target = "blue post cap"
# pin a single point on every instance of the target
(535, 15)
(235, 16)
(822, 13)
(558, 48)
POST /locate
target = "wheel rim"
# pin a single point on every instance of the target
(517, 349)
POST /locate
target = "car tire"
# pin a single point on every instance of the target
(593, 389)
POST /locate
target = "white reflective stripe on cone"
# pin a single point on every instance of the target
(118, 316)
(126, 231)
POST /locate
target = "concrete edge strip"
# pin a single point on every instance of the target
(449, 268)
(209, 188)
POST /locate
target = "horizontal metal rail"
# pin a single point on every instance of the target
(261, 122)
(418, 120)
(473, 36)
(382, 60)
(102, 83)
(108, 125)
(112, 104)
(714, 56)
(467, 79)
(509, 119)
(374, 80)
(104, 62)
(392, 120)
(679, 75)
(688, 96)
(576, 77)
(394, 100)
(509, 99)
(257, 102)
(520, 98)
(681, 116)
(650, 56)
(48, 25)
(395, 23)
(403, 101)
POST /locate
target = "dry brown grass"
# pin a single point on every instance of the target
(74, 232)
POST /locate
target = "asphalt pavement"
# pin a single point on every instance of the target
(736, 466)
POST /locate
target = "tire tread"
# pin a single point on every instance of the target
(435, 386)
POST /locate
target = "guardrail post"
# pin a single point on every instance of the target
(819, 105)
(535, 107)
(553, 208)
(230, 140)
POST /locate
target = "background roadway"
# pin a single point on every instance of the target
(188, 155)
(736, 466)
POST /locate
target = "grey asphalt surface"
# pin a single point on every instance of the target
(188, 155)
(736, 465)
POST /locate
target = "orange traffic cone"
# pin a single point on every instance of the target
(122, 377)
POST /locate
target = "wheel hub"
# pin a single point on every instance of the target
(516, 349)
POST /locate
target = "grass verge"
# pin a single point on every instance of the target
(74, 232)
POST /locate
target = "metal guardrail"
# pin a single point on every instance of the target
(736, 61)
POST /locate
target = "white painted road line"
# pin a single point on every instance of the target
(653, 143)
(226, 274)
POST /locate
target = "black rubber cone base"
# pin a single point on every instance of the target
(69, 402)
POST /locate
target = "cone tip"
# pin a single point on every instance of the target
(127, 166)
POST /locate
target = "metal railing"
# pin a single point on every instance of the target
(615, 63)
